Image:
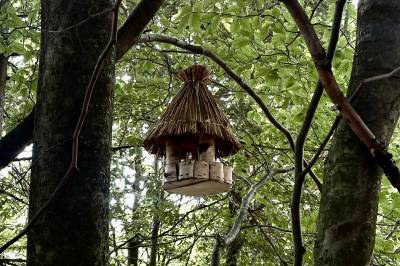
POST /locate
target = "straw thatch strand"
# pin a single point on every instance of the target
(194, 73)
(193, 113)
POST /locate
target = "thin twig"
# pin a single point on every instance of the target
(260, 227)
(75, 140)
(91, 16)
(371, 79)
(202, 206)
(321, 147)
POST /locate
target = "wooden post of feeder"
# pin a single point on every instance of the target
(186, 169)
(201, 169)
(228, 174)
(206, 149)
(217, 171)
(171, 162)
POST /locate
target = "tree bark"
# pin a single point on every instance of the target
(74, 229)
(3, 80)
(133, 245)
(154, 240)
(156, 218)
(233, 251)
(3, 76)
(133, 252)
(349, 201)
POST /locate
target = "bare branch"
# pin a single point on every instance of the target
(222, 241)
(235, 229)
(321, 147)
(130, 32)
(371, 79)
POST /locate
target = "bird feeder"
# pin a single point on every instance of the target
(192, 134)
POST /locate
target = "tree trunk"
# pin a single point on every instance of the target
(156, 218)
(133, 245)
(154, 240)
(349, 201)
(133, 252)
(74, 229)
(3, 80)
(216, 253)
(233, 251)
(3, 75)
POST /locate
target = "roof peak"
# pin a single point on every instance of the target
(194, 73)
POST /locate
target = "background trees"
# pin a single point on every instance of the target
(260, 43)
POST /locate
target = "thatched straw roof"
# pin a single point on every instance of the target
(193, 112)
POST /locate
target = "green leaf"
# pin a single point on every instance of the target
(194, 21)
(240, 42)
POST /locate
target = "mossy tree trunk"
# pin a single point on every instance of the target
(347, 218)
(74, 229)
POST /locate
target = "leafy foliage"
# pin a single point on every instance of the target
(260, 42)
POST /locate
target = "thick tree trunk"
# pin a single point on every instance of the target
(347, 218)
(74, 229)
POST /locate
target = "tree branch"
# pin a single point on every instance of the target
(234, 231)
(130, 31)
(321, 147)
(301, 138)
(15, 141)
(242, 215)
(376, 147)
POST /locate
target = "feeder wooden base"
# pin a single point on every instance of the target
(197, 187)
(197, 178)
